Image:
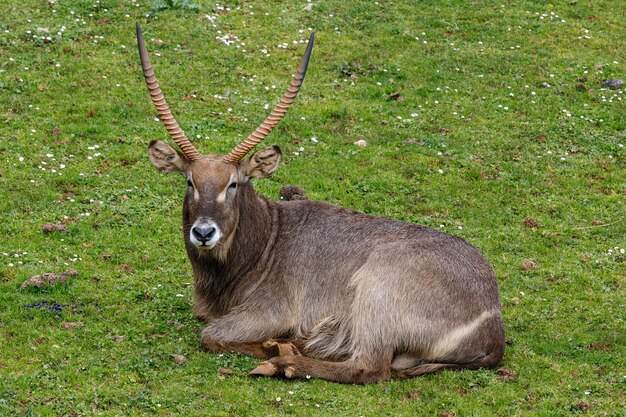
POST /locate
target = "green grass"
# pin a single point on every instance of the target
(478, 143)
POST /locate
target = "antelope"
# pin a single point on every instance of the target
(319, 290)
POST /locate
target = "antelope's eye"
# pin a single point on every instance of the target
(232, 186)
(189, 183)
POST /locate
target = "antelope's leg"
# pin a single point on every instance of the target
(248, 333)
(247, 348)
(265, 350)
(347, 372)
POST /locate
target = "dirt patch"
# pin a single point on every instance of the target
(413, 395)
(71, 325)
(224, 372)
(529, 265)
(396, 96)
(583, 406)
(506, 374)
(179, 359)
(605, 347)
(531, 222)
(52, 227)
(40, 281)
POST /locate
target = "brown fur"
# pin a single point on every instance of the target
(358, 295)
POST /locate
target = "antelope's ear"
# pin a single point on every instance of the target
(262, 163)
(165, 158)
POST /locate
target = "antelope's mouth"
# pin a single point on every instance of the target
(206, 245)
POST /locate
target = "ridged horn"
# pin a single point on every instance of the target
(161, 105)
(277, 114)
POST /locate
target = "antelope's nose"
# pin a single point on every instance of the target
(203, 233)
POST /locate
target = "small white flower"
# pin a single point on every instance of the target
(278, 399)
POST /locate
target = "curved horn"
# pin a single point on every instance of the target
(277, 114)
(163, 109)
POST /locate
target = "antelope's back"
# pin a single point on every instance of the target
(324, 246)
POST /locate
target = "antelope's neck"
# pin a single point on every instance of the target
(255, 233)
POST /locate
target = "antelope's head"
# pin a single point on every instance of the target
(215, 182)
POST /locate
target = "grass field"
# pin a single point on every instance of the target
(484, 119)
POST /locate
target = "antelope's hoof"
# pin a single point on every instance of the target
(273, 349)
(264, 369)
(280, 367)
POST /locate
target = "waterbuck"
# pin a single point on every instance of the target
(318, 290)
